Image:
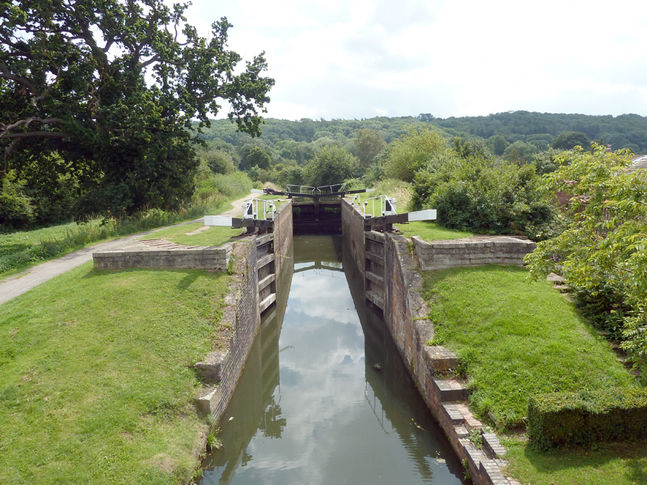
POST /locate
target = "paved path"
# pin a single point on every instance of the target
(22, 282)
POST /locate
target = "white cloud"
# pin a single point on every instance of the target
(337, 59)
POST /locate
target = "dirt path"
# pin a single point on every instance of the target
(22, 282)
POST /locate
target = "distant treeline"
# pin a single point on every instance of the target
(538, 129)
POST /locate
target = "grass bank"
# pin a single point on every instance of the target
(517, 337)
(608, 463)
(96, 384)
(430, 231)
(20, 250)
(196, 234)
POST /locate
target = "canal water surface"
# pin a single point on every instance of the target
(325, 398)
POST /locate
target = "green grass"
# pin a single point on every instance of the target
(20, 250)
(516, 337)
(609, 463)
(96, 383)
(430, 231)
(213, 236)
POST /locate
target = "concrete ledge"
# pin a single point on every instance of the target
(474, 251)
(207, 258)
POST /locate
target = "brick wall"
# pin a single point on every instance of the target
(471, 251)
(405, 315)
(352, 230)
(241, 313)
(242, 308)
(198, 258)
(283, 234)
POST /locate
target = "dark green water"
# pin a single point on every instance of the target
(311, 408)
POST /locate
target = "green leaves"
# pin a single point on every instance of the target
(605, 242)
(115, 85)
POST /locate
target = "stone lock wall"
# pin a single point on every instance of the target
(352, 229)
(186, 258)
(258, 262)
(397, 289)
(283, 234)
(472, 251)
(242, 320)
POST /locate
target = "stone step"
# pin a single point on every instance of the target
(492, 445)
(454, 414)
(555, 278)
(451, 390)
(207, 402)
(470, 420)
(562, 288)
(264, 305)
(461, 431)
(440, 359)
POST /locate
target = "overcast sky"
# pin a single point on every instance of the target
(359, 59)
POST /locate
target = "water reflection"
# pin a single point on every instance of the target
(312, 408)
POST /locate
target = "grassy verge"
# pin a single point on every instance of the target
(430, 231)
(609, 463)
(188, 234)
(20, 250)
(96, 384)
(517, 337)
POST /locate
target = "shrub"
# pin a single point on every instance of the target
(585, 417)
(479, 194)
(601, 251)
(331, 165)
(16, 209)
(410, 152)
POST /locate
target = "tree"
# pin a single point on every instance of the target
(409, 153)
(113, 87)
(499, 144)
(602, 252)
(570, 139)
(331, 165)
(254, 156)
(219, 161)
(519, 152)
(368, 143)
(481, 194)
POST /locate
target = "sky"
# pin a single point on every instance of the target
(353, 59)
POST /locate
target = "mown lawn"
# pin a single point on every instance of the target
(22, 249)
(517, 337)
(609, 463)
(211, 236)
(430, 231)
(96, 379)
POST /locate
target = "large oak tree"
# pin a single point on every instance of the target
(115, 90)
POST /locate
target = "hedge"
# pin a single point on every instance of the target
(582, 418)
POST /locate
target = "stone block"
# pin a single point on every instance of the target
(440, 359)
(210, 368)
